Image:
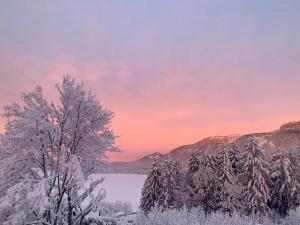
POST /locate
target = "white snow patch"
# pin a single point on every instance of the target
(260, 141)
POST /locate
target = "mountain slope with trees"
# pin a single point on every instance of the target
(261, 188)
(287, 136)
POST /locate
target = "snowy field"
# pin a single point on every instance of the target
(122, 187)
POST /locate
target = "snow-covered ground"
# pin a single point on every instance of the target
(122, 187)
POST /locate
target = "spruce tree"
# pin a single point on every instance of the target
(235, 158)
(255, 177)
(180, 195)
(285, 186)
(194, 164)
(227, 183)
(294, 156)
(205, 179)
(152, 189)
(168, 198)
(191, 188)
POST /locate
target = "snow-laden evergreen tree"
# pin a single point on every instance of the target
(190, 187)
(194, 164)
(294, 156)
(205, 179)
(169, 196)
(285, 187)
(50, 149)
(227, 183)
(235, 158)
(255, 177)
(152, 188)
(180, 185)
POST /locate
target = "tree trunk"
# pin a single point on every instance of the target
(70, 210)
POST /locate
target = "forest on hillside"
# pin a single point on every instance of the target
(230, 181)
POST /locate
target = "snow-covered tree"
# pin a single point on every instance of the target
(205, 179)
(227, 183)
(152, 189)
(285, 187)
(235, 158)
(294, 156)
(170, 192)
(180, 185)
(190, 187)
(50, 149)
(194, 164)
(255, 177)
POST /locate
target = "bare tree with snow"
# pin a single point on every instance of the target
(50, 149)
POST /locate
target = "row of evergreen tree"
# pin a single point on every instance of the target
(231, 180)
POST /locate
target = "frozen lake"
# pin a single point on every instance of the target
(122, 187)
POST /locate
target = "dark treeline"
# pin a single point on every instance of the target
(230, 180)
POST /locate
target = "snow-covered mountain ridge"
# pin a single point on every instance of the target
(287, 136)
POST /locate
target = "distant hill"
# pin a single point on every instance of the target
(287, 136)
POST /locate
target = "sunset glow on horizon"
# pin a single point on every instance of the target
(173, 72)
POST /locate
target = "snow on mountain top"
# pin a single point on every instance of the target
(290, 127)
(261, 141)
(230, 137)
(155, 155)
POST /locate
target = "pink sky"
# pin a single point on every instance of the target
(173, 72)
